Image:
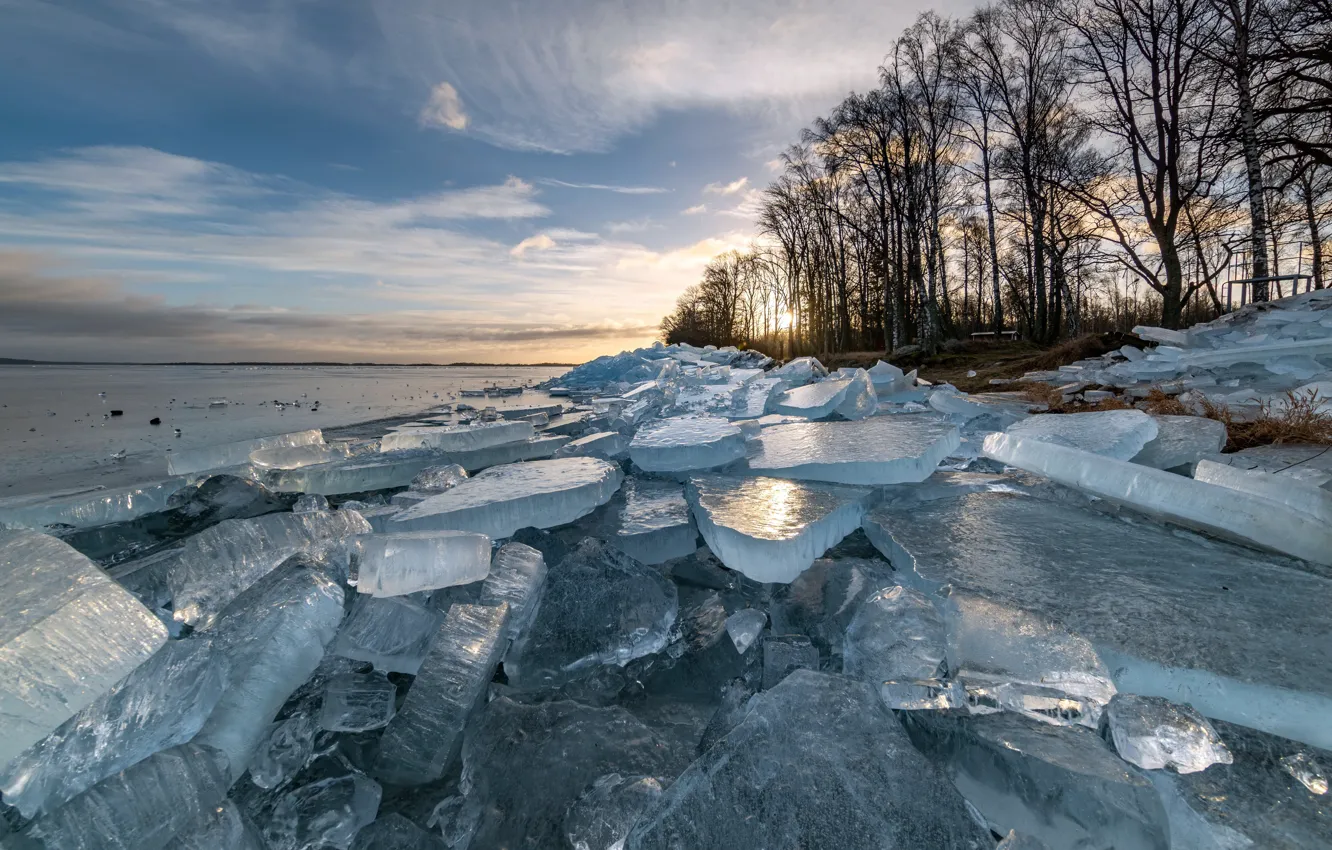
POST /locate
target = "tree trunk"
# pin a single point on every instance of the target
(994, 243)
(1253, 165)
(1315, 237)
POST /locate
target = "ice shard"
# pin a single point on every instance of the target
(1119, 434)
(652, 521)
(395, 832)
(407, 561)
(796, 772)
(784, 654)
(897, 634)
(68, 633)
(503, 499)
(458, 438)
(1297, 495)
(356, 702)
(285, 751)
(772, 529)
(422, 741)
(218, 564)
(602, 817)
(392, 633)
(225, 827)
(1181, 440)
(294, 457)
(517, 579)
(323, 814)
(686, 442)
(88, 506)
(235, 454)
(437, 479)
(888, 379)
(874, 451)
(1154, 734)
(1225, 629)
(607, 445)
(1217, 510)
(744, 627)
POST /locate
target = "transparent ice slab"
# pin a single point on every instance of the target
(744, 627)
(888, 379)
(323, 814)
(222, 456)
(531, 410)
(814, 401)
(1297, 495)
(223, 828)
(356, 702)
(1180, 440)
(686, 442)
(1154, 734)
(772, 529)
(89, 506)
(392, 633)
(1118, 434)
(68, 633)
(408, 561)
(897, 633)
(458, 438)
(1228, 630)
(607, 445)
(652, 521)
(294, 457)
(517, 579)
(503, 499)
(873, 451)
(357, 474)
(284, 752)
(602, 817)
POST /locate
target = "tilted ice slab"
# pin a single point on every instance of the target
(87, 507)
(235, 454)
(818, 401)
(458, 438)
(1119, 434)
(1238, 635)
(897, 634)
(652, 522)
(217, 564)
(425, 737)
(686, 442)
(1297, 495)
(888, 379)
(405, 562)
(517, 579)
(357, 702)
(68, 633)
(356, 474)
(966, 407)
(503, 499)
(772, 529)
(294, 457)
(1217, 510)
(874, 451)
(607, 445)
(1180, 440)
(392, 633)
(531, 410)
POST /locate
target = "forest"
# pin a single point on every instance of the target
(1045, 167)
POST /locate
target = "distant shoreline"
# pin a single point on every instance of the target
(11, 361)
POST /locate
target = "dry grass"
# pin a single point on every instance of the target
(1299, 419)
(1050, 396)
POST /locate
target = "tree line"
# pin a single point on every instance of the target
(1053, 167)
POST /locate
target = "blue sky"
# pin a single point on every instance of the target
(392, 180)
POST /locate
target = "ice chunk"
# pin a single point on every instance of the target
(1002, 407)
(531, 410)
(1162, 335)
(161, 703)
(607, 445)
(888, 379)
(458, 438)
(405, 562)
(68, 633)
(355, 702)
(517, 578)
(878, 450)
(852, 395)
(799, 371)
(1315, 502)
(796, 773)
(284, 752)
(1180, 440)
(1217, 510)
(744, 627)
(357, 474)
(600, 607)
(218, 564)
(395, 832)
(503, 499)
(310, 503)
(235, 454)
(223, 828)
(1306, 770)
(324, 814)
(141, 807)
(1119, 434)
(686, 442)
(537, 448)
(772, 529)
(650, 521)
(602, 817)
(422, 741)
(896, 634)
(392, 633)
(784, 654)
(88, 506)
(294, 457)
(1154, 734)
(1225, 629)
(437, 479)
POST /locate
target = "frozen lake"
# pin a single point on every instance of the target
(56, 431)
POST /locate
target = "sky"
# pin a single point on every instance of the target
(393, 180)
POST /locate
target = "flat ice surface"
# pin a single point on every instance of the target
(1238, 635)
(686, 442)
(235, 454)
(1295, 494)
(391, 633)
(457, 438)
(1180, 440)
(503, 499)
(817, 762)
(874, 451)
(1119, 434)
(1154, 734)
(87, 507)
(651, 521)
(68, 633)
(405, 562)
(772, 529)
(1218, 510)
(292, 457)
(421, 742)
(517, 579)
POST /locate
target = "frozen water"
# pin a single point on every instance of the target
(68, 633)
(1002, 407)
(235, 454)
(1306, 770)
(1014, 841)
(458, 438)
(1119, 434)
(355, 702)
(1180, 440)
(600, 607)
(1217, 510)
(422, 741)
(284, 752)
(395, 832)
(686, 442)
(323, 814)
(357, 474)
(405, 562)
(216, 565)
(744, 627)
(517, 578)
(772, 529)
(310, 503)
(531, 410)
(607, 445)
(874, 451)
(888, 379)
(503, 499)
(817, 762)
(140, 808)
(1154, 734)
(537, 448)
(392, 633)
(89, 506)
(163, 702)
(651, 521)
(602, 817)
(437, 479)
(896, 634)
(223, 828)
(799, 371)
(784, 654)
(1225, 629)
(1310, 500)
(812, 401)
(294, 457)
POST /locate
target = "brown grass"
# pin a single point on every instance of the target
(1298, 420)
(1050, 396)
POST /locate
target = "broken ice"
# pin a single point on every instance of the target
(1119, 434)
(1181, 440)
(1154, 734)
(517, 579)
(221, 456)
(744, 627)
(355, 702)
(874, 451)
(896, 634)
(685, 443)
(87, 507)
(392, 633)
(1313, 501)
(405, 562)
(457, 438)
(607, 445)
(328, 813)
(651, 521)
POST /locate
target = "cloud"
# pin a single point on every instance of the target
(696, 209)
(540, 242)
(726, 188)
(444, 109)
(620, 190)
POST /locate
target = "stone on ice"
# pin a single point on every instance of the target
(323, 814)
(407, 561)
(294, 457)
(392, 633)
(744, 627)
(68, 633)
(395, 832)
(1313, 501)
(458, 438)
(517, 579)
(222, 828)
(607, 445)
(1118, 434)
(1154, 734)
(784, 654)
(686, 442)
(235, 454)
(355, 702)
(421, 742)
(285, 751)
(87, 507)
(874, 451)
(1180, 440)
(602, 817)
(651, 521)
(896, 634)
(503, 499)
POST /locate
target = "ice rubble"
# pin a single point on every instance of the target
(227, 455)
(651, 521)
(356, 702)
(85, 507)
(874, 451)
(409, 561)
(458, 438)
(851, 397)
(1154, 733)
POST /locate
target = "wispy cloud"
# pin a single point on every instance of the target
(696, 209)
(726, 188)
(619, 190)
(444, 109)
(540, 242)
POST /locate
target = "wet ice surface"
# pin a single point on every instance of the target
(652, 521)
(686, 442)
(1119, 434)
(877, 450)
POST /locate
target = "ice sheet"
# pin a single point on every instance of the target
(458, 438)
(409, 561)
(1119, 434)
(87, 507)
(685, 443)
(235, 454)
(873, 451)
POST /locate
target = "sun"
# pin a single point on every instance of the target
(785, 320)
